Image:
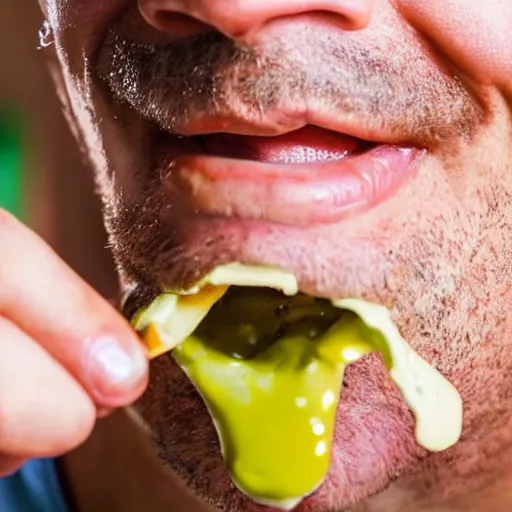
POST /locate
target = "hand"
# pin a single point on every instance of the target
(66, 356)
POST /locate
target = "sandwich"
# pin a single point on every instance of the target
(269, 361)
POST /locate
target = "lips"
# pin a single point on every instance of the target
(307, 177)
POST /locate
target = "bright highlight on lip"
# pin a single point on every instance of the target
(289, 378)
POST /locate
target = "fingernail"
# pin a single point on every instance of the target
(111, 368)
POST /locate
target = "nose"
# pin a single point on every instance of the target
(238, 18)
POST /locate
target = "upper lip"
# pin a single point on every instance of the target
(208, 84)
(283, 121)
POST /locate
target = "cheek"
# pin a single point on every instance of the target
(473, 34)
(80, 25)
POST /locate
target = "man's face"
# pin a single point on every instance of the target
(364, 145)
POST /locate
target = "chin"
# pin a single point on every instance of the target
(373, 440)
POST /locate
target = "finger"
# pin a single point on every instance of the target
(69, 319)
(104, 412)
(44, 412)
(9, 465)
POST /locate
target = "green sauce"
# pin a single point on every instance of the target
(270, 370)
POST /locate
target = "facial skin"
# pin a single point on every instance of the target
(431, 75)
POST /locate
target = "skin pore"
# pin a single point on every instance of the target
(428, 74)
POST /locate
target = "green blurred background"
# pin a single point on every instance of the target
(11, 194)
(43, 179)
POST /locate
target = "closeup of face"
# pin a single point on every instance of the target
(365, 146)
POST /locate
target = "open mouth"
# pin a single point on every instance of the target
(305, 177)
(307, 145)
(269, 361)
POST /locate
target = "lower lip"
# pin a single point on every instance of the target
(294, 194)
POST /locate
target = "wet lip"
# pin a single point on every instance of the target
(310, 176)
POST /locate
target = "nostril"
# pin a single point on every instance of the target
(176, 23)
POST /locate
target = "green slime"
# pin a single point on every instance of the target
(270, 370)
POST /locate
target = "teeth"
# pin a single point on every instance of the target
(302, 155)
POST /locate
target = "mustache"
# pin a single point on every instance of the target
(383, 84)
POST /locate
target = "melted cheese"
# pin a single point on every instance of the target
(284, 459)
(172, 317)
(435, 402)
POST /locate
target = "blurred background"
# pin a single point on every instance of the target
(43, 179)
